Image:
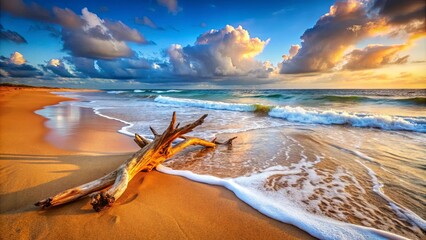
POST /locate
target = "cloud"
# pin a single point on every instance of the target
(348, 22)
(374, 56)
(16, 66)
(84, 67)
(146, 21)
(401, 12)
(64, 17)
(11, 35)
(122, 32)
(226, 52)
(124, 68)
(100, 39)
(58, 67)
(324, 45)
(83, 36)
(52, 30)
(294, 49)
(171, 5)
(405, 17)
(17, 58)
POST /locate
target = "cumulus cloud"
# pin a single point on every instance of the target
(17, 58)
(226, 52)
(171, 5)
(374, 56)
(58, 67)
(294, 49)
(83, 36)
(100, 39)
(16, 66)
(324, 46)
(146, 21)
(11, 35)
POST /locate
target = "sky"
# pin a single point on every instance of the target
(214, 44)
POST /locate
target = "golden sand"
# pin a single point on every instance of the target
(155, 205)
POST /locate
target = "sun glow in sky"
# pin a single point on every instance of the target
(214, 44)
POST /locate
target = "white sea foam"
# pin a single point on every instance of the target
(205, 104)
(138, 91)
(284, 210)
(251, 190)
(402, 212)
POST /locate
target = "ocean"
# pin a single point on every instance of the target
(338, 164)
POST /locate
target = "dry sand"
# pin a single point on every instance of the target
(155, 206)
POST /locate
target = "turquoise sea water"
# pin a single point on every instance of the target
(336, 163)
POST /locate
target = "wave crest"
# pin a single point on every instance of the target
(302, 115)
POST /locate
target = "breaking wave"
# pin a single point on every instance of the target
(309, 116)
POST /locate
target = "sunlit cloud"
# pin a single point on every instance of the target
(17, 58)
(374, 56)
(58, 67)
(325, 46)
(226, 52)
(16, 66)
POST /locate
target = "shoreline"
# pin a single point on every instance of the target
(156, 205)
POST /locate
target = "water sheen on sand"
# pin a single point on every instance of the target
(337, 164)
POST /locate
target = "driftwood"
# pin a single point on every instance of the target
(106, 190)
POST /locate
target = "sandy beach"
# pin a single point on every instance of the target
(155, 205)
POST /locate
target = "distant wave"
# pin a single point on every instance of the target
(416, 100)
(115, 92)
(337, 98)
(272, 95)
(334, 98)
(302, 115)
(167, 91)
(138, 91)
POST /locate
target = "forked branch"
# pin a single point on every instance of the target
(107, 189)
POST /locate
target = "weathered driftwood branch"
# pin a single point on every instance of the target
(105, 190)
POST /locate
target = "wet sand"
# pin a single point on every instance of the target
(155, 205)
